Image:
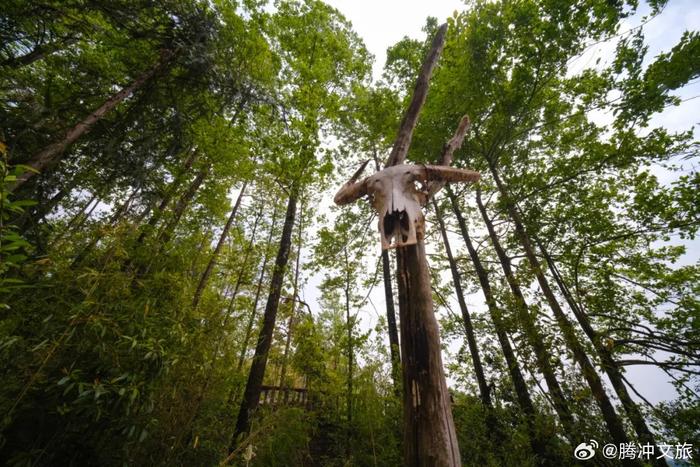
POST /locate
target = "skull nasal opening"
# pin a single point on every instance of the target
(397, 223)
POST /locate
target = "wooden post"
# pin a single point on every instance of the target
(429, 433)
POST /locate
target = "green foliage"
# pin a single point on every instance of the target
(14, 249)
(103, 359)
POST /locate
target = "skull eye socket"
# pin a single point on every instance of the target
(388, 225)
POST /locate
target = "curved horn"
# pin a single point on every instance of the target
(358, 172)
(440, 173)
(352, 190)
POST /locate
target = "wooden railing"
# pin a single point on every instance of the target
(284, 396)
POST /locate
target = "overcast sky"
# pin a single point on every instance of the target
(382, 23)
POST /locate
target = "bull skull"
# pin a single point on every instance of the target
(397, 198)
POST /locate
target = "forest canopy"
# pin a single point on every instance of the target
(177, 287)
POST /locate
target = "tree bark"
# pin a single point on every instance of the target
(219, 245)
(429, 432)
(251, 396)
(410, 118)
(534, 337)
(537, 442)
(612, 420)
(52, 153)
(466, 318)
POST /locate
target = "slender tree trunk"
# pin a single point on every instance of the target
(251, 396)
(429, 433)
(537, 442)
(78, 217)
(38, 214)
(466, 318)
(219, 245)
(77, 221)
(420, 92)
(52, 153)
(155, 218)
(222, 333)
(258, 291)
(123, 208)
(295, 292)
(182, 204)
(534, 337)
(244, 265)
(96, 238)
(612, 369)
(394, 345)
(166, 232)
(612, 420)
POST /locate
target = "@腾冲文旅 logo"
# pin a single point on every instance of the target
(585, 451)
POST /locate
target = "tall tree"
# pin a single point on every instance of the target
(537, 440)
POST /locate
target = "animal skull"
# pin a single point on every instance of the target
(397, 198)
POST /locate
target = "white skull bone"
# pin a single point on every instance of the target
(397, 198)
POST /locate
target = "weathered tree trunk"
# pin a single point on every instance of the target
(612, 369)
(391, 322)
(251, 396)
(466, 318)
(612, 420)
(52, 153)
(258, 290)
(537, 442)
(219, 245)
(429, 432)
(420, 92)
(534, 337)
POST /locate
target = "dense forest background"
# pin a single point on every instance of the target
(168, 169)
